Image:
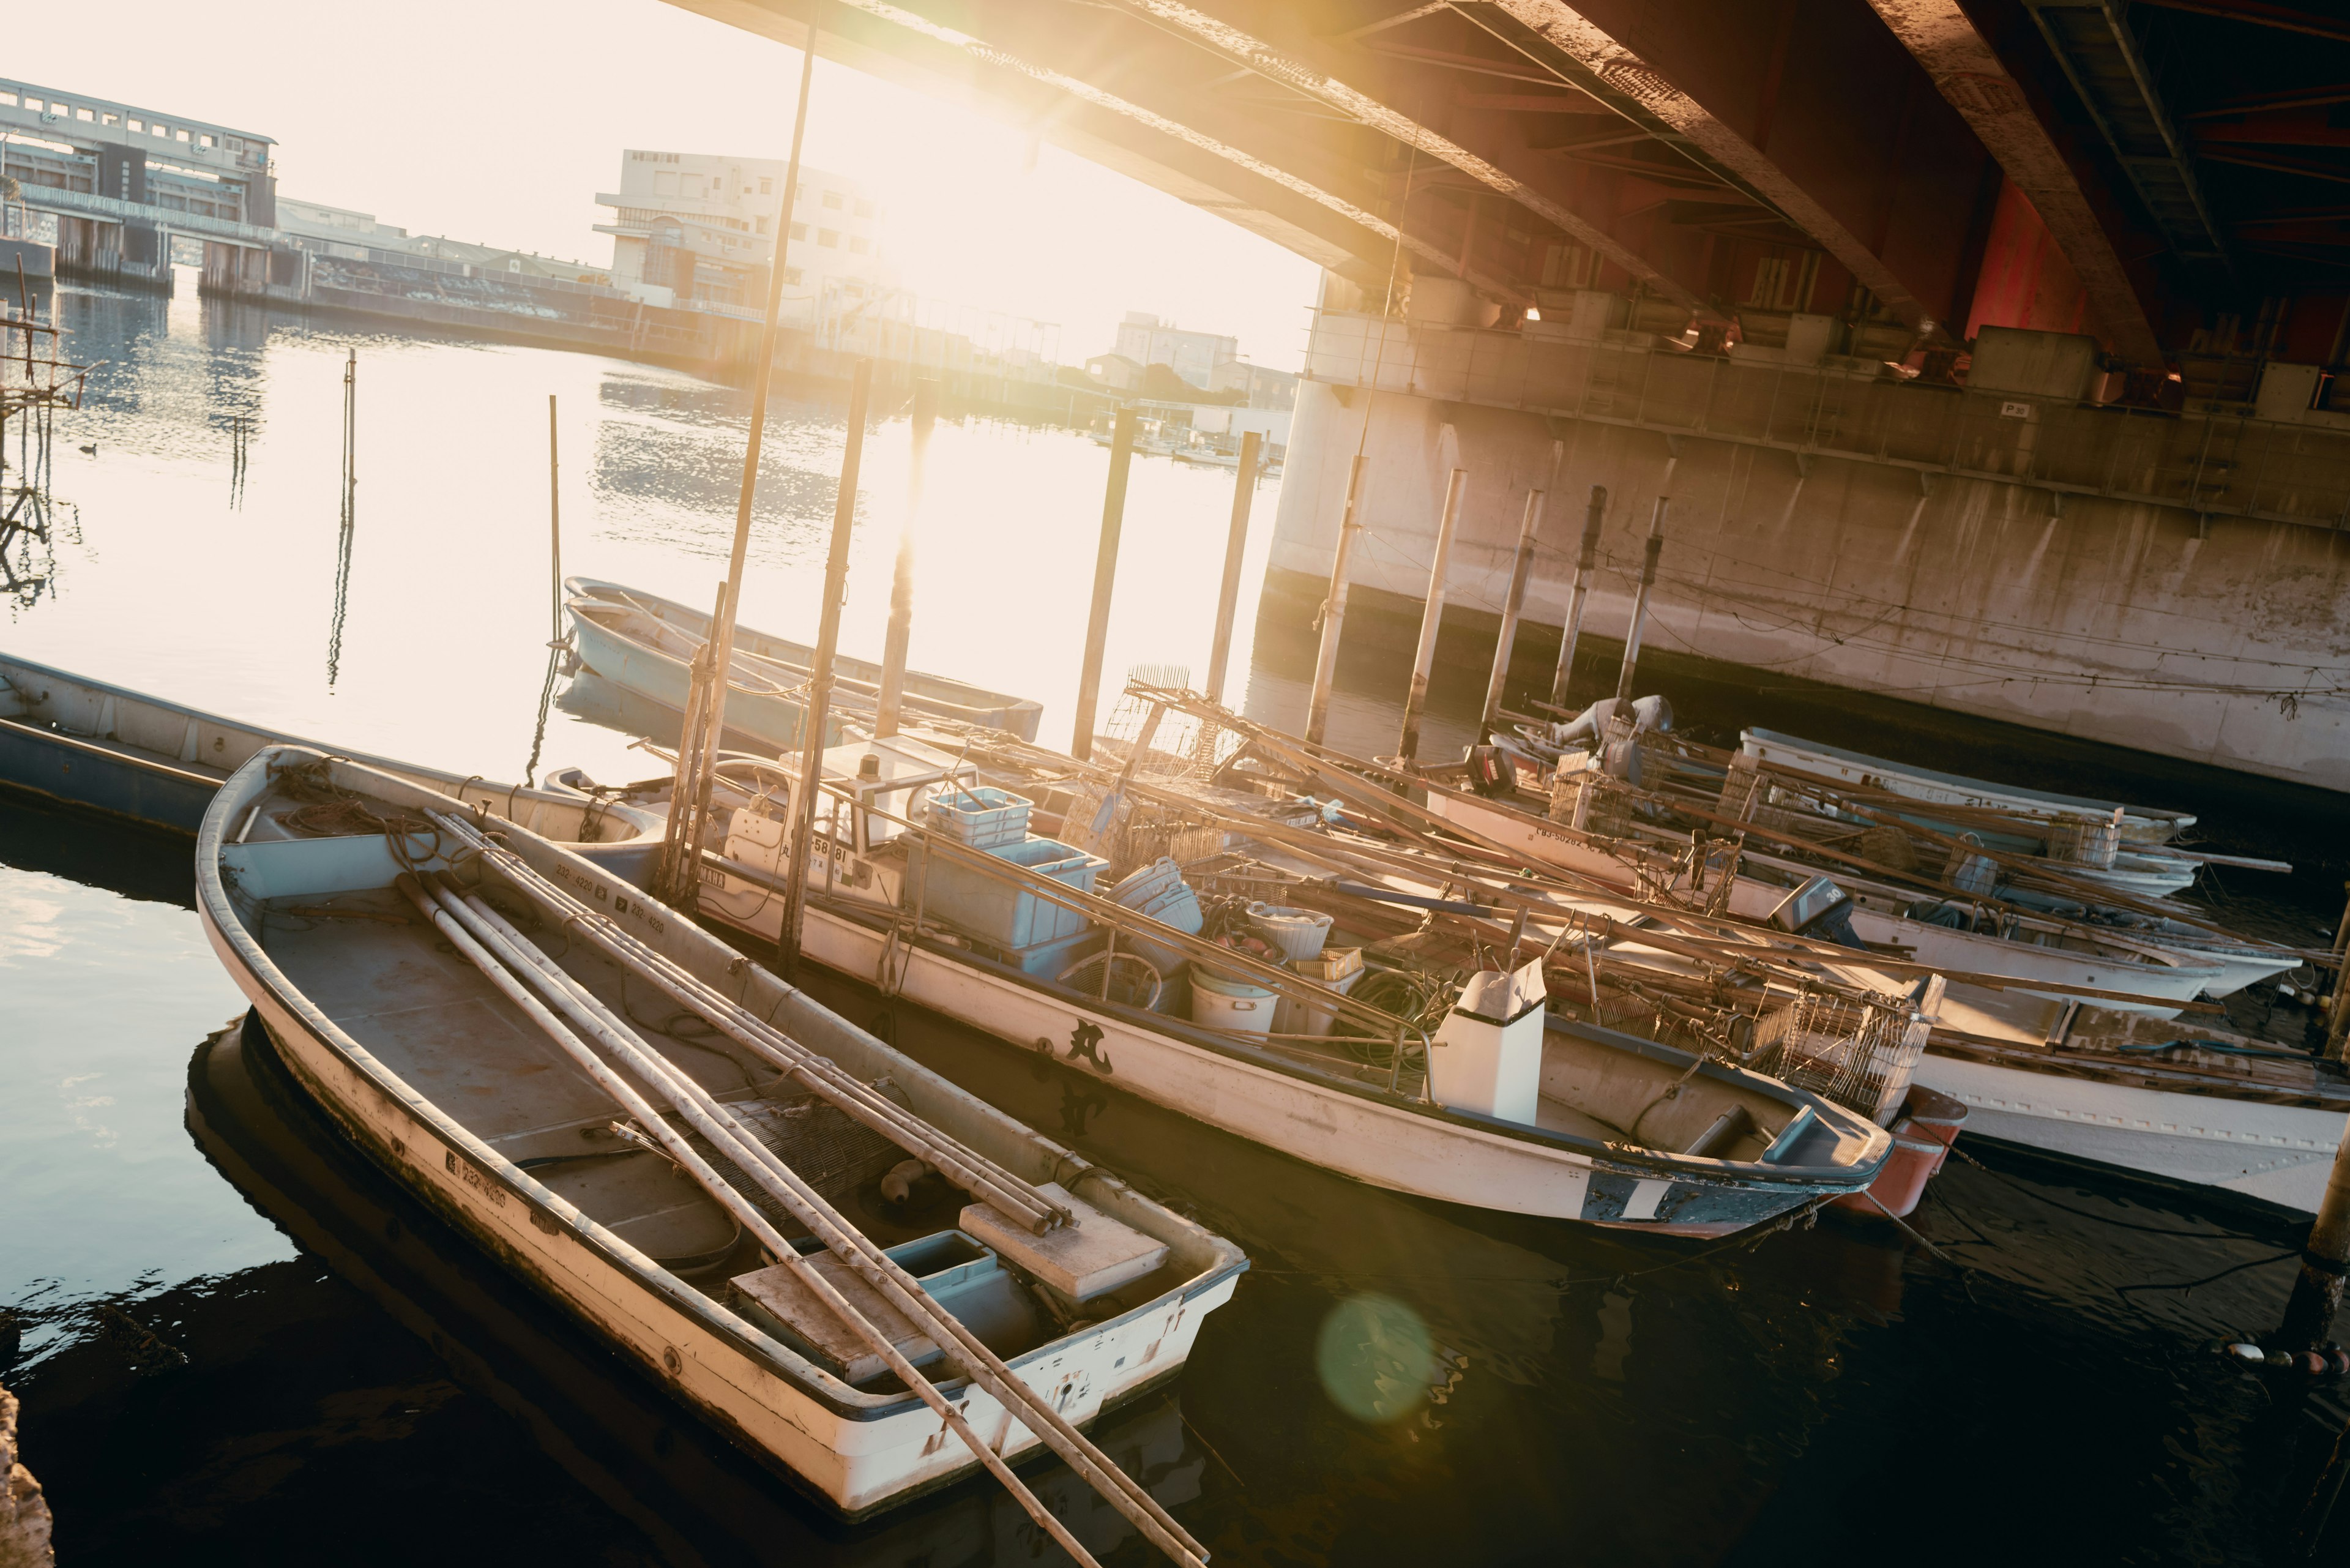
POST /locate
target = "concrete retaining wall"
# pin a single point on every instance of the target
(2221, 640)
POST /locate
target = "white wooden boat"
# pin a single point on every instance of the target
(643, 643)
(92, 746)
(1726, 1150)
(2152, 979)
(2271, 1138)
(446, 1082)
(2141, 825)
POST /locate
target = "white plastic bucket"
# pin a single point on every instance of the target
(1298, 933)
(1234, 1005)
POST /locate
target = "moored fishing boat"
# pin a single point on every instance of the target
(98, 747)
(1558, 1120)
(646, 644)
(2141, 825)
(1038, 1287)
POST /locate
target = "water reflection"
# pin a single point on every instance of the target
(636, 1465)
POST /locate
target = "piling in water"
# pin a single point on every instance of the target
(1121, 459)
(1228, 594)
(1586, 563)
(819, 686)
(1334, 609)
(1432, 618)
(1640, 602)
(1511, 606)
(898, 637)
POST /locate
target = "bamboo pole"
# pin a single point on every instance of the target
(1334, 607)
(680, 878)
(818, 708)
(899, 634)
(1586, 565)
(752, 1155)
(1640, 602)
(1121, 461)
(2317, 1296)
(1228, 595)
(436, 909)
(1432, 618)
(1506, 641)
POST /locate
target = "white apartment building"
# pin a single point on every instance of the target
(692, 227)
(1194, 355)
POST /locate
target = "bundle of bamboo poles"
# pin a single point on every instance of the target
(542, 989)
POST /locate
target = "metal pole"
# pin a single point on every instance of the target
(1432, 618)
(1586, 564)
(682, 877)
(1510, 608)
(1121, 458)
(2317, 1290)
(1227, 597)
(1334, 609)
(899, 633)
(554, 524)
(1641, 601)
(819, 687)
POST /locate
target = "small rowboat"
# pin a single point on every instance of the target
(92, 746)
(646, 644)
(455, 1051)
(2141, 825)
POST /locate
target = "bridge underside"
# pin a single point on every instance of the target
(2156, 176)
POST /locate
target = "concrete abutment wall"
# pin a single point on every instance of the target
(2220, 639)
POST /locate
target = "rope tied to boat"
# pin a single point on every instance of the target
(330, 811)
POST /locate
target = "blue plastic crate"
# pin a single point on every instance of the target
(981, 815)
(998, 911)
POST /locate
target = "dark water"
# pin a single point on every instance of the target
(239, 1345)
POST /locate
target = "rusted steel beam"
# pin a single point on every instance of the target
(1971, 76)
(1879, 171)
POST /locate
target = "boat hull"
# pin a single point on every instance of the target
(2158, 990)
(1371, 1136)
(2278, 1153)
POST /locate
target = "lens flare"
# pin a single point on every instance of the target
(1374, 1358)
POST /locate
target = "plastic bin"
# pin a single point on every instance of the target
(1296, 1015)
(1046, 960)
(1298, 933)
(997, 911)
(981, 815)
(1234, 1005)
(1160, 891)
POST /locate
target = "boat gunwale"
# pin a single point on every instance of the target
(1598, 1155)
(810, 1379)
(945, 692)
(2150, 814)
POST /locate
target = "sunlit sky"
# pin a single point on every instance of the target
(498, 123)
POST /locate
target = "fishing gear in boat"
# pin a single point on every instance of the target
(473, 934)
(897, 1287)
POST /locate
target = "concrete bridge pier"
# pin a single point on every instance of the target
(2029, 557)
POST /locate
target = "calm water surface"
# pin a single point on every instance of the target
(227, 1354)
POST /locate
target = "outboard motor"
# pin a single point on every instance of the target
(1491, 772)
(1819, 909)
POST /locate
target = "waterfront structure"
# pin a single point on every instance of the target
(111, 186)
(1197, 357)
(1808, 228)
(696, 228)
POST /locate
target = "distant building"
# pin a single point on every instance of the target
(1262, 387)
(1194, 355)
(1116, 371)
(352, 236)
(338, 225)
(698, 228)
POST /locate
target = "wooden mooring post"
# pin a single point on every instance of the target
(898, 637)
(1121, 461)
(1640, 602)
(1334, 609)
(1432, 618)
(819, 686)
(1228, 594)
(1586, 563)
(1511, 606)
